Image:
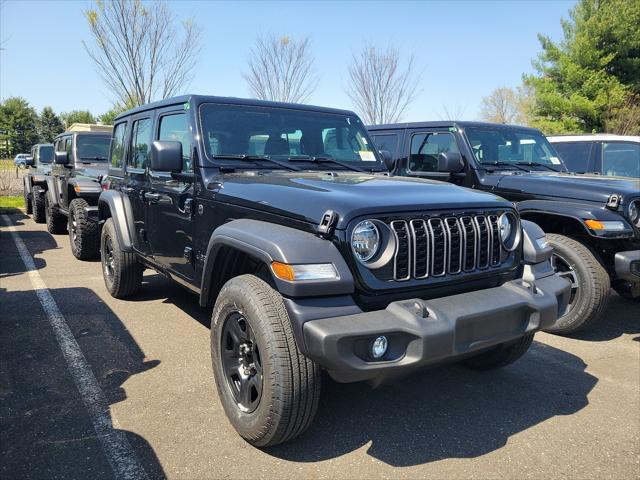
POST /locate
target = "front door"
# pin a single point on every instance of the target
(170, 201)
(422, 148)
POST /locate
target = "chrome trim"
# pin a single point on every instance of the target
(445, 252)
(415, 247)
(475, 242)
(395, 256)
(478, 219)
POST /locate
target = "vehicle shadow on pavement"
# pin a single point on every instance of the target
(441, 413)
(46, 430)
(39, 241)
(621, 317)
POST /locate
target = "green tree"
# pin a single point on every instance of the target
(109, 116)
(18, 121)
(77, 116)
(49, 125)
(592, 73)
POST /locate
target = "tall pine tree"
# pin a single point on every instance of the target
(49, 125)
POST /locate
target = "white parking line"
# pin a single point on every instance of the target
(115, 445)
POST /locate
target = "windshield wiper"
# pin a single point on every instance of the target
(505, 164)
(309, 158)
(254, 158)
(538, 164)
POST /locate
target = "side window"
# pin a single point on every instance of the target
(67, 146)
(117, 145)
(174, 127)
(140, 144)
(621, 159)
(425, 148)
(575, 155)
(388, 142)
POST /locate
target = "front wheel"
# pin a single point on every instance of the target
(590, 284)
(28, 206)
(84, 234)
(121, 271)
(269, 390)
(56, 222)
(501, 355)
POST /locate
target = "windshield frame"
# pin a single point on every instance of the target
(376, 166)
(560, 167)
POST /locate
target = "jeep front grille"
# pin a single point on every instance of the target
(439, 246)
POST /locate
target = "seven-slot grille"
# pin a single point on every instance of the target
(437, 246)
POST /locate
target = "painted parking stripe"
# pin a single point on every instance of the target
(115, 445)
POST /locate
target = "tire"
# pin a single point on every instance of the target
(56, 222)
(121, 271)
(37, 199)
(84, 234)
(591, 286)
(28, 205)
(288, 398)
(501, 355)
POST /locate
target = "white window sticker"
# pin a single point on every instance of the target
(555, 160)
(367, 156)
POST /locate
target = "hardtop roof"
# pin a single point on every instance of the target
(196, 100)
(445, 124)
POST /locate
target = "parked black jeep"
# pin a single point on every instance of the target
(73, 188)
(284, 218)
(35, 180)
(593, 222)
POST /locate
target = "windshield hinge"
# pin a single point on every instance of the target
(327, 224)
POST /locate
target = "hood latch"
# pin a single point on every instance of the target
(327, 224)
(613, 202)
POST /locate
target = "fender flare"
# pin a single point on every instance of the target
(270, 242)
(88, 188)
(576, 211)
(52, 191)
(115, 205)
(27, 183)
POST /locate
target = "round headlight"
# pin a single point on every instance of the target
(505, 228)
(633, 211)
(510, 233)
(365, 240)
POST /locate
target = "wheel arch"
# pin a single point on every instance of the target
(113, 204)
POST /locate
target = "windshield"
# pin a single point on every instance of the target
(285, 134)
(93, 147)
(513, 145)
(45, 155)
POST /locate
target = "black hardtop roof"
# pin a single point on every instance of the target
(103, 134)
(444, 124)
(195, 100)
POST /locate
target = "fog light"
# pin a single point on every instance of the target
(379, 347)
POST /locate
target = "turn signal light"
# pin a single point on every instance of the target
(312, 271)
(283, 271)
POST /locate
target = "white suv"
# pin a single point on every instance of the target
(605, 154)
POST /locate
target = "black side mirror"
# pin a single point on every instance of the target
(388, 160)
(166, 156)
(29, 162)
(61, 158)
(450, 162)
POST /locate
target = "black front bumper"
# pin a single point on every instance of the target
(628, 265)
(426, 332)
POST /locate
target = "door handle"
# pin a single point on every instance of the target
(152, 197)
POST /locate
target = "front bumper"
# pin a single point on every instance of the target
(426, 332)
(628, 265)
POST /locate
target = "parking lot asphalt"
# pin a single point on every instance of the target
(570, 408)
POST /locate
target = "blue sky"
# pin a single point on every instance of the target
(464, 49)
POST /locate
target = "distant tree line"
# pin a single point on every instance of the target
(21, 126)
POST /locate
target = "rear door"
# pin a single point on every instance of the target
(169, 201)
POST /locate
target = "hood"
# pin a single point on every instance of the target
(92, 170)
(592, 188)
(307, 196)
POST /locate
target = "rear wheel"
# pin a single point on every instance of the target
(121, 271)
(84, 234)
(269, 390)
(56, 222)
(500, 356)
(590, 284)
(28, 206)
(37, 197)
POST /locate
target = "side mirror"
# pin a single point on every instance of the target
(166, 156)
(60, 158)
(29, 162)
(450, 162)
(387, 159)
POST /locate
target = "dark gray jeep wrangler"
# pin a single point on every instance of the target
(35, 180)
(283, 217)
(73, 188)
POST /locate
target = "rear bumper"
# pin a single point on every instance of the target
(627, 265)
(425, 332)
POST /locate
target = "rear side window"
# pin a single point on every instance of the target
(117, 145)
(621, 159)
(388, 142)
(140, 143)
(575, 155)
(176, 128)
(425, 148)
